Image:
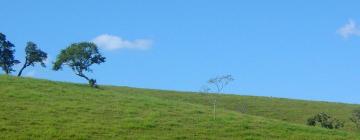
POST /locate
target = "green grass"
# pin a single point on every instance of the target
(41, 109)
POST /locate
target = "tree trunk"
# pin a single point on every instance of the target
(90, 81)
(6, 69)
(83, 76)
(214, 109)
(21, 70)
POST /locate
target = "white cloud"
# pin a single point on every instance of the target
(349, 29)
(111, 42)
(30, 74)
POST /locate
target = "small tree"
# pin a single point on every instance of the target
(325, 121)
(33, 55)
(7, 59)
(355, 118)
(79, 57)
(219, 82)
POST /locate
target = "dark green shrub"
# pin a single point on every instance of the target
(325, 121)
(355, 118)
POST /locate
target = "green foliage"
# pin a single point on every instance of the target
(325, 121)
(79, 57)
(41, 109)
(7, 59)
(355, 118)
(33, 55)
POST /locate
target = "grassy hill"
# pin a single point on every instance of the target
(41, 109)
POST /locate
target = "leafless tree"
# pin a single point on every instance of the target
(219, 83)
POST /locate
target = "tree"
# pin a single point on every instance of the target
(219, 82)
(79, 57)
(326, 121)
(355, 118)
(7, 59)
(33, 55)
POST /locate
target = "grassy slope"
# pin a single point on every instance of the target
(43, 109)
(289, 110)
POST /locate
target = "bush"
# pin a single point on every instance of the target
(325, 121)
(355, 118)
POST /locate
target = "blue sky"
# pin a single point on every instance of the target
(293, 49)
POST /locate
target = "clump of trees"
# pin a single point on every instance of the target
(7, 59)
(78, 56)
(325, 121)
(216, 85)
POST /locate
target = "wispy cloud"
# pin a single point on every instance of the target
(349, 29)
(111, 42)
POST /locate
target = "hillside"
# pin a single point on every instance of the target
(42, 109)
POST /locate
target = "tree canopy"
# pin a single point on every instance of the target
(33, 55)
(221, 81)
(79, 57)
(7, 58)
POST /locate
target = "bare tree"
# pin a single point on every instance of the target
(219, 82)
